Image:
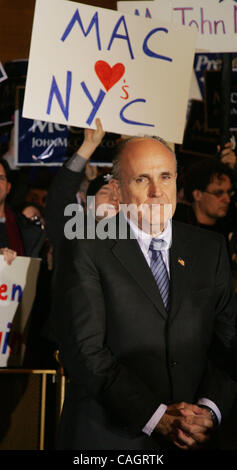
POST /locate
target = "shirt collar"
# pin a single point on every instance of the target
(144, 238)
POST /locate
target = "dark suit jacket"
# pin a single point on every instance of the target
(123, 352)
(61, 193)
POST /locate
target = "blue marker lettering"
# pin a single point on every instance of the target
(16, 289)
(128, 121)
(148, 51)
(96, 104)
(121, 36)
(94, 22)
(5, 344)
(54, 90)
(147, 13)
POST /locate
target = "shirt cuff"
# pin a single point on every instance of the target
(211, 404)
(76, 163)
(156, 417)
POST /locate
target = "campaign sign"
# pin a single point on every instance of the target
(150, 9)
(157, 9)
(196, 140)
(87, 62)
(213, 101)
(16, 76)
(39, 142)
(206, 62)
(215, 21)
(17, 291)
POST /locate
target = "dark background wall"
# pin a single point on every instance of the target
(16, 19)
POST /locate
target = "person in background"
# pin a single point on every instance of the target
(74, 175)
(225, 155)
(208, 189)
(33, 212)
(209, 200)
(64, 188)
(16, 232)
(39, 353)
(10, 235)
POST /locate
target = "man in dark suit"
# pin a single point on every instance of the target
(136, 318)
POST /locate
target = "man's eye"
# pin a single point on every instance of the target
(141, 179)
(166, 177)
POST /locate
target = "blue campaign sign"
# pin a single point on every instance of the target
(38, 142)
(46, 143)
(213, 101)
(206, 61)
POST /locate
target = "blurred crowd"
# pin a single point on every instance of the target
(32, 203)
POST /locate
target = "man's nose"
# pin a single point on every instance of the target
(226, 198)
(155, 189)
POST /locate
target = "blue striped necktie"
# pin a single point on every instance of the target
(159, 270)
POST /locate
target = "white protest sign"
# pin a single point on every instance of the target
(150, 9)
(215, 21)
(158, 9)
(87, 62)
(17, 292)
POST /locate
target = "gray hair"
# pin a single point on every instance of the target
(122, 144)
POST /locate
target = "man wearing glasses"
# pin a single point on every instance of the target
(208, 190)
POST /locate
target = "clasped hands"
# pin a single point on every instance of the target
(187, 426)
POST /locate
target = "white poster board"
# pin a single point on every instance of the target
(215, 20)
(158, 9)
(87, 62)
(151, 9)
(17, 292)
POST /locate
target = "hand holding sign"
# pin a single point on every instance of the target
(92, 139)
(8, 254)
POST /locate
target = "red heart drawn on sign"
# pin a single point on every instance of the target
(108, 75)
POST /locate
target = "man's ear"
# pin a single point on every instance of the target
(197, 195)
(115, 186)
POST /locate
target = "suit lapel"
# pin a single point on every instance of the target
(131, 257)
(128, 252)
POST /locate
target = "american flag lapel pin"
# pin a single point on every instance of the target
(181, 262)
